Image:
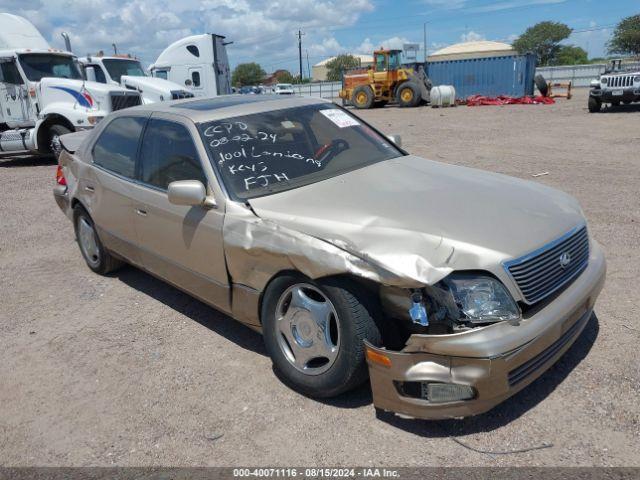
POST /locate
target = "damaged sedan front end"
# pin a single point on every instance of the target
(450, 288)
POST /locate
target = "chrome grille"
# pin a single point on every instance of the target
(178, 94)
(120, 100)
(619, 81)
(553, 266)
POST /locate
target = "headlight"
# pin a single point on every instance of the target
(636, 78)
(482, 299)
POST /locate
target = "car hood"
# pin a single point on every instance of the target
(422, 219)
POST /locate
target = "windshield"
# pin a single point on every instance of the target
(37, 66)
(118, 67)
(274, 151)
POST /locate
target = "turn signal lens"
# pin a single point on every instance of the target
(379, 358)
(60, 180)
(94, 119)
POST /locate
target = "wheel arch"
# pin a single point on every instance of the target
(50, 120)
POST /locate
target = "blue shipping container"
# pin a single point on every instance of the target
(491, 76)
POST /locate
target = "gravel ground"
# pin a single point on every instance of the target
(126, 370)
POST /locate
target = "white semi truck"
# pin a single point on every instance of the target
(127, 72)
(43, 93)
(198, 62)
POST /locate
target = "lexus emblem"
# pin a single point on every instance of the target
(565, 259)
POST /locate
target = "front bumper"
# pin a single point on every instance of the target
(627, 94)
(496, 361)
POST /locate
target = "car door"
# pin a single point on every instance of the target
(13, 95)
(195, 81)
(104, 188)
(182, 244)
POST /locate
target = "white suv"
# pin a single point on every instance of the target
(619, 83)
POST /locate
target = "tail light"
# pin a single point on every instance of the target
(60, 180)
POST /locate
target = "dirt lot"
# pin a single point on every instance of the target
(127, 370)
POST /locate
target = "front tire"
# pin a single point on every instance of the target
(314, 333)
(54, 134)
(408, 95)
(95, 255)
(362, 97)
(594, 104)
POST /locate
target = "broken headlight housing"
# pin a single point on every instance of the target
(481, 298)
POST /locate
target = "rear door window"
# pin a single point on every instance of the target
(117, 146)
(168, 154)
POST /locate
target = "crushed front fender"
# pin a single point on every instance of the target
(487, 364)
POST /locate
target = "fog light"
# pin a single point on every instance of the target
(446, 392)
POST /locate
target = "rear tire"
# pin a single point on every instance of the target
(594, 104)
(362, 97)
(95, 255)
(408, 95)
(292, 336)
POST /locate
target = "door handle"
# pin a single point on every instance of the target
(142, 213)
(89, 188)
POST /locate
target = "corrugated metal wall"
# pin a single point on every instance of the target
(492, 76)
(578, 75)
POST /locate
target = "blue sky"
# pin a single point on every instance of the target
(265, 31)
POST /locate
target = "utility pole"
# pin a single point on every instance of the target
(309, 68)
(300, 52)
(424, 25)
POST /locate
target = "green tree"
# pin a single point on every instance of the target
(247, 74)
(338, 64)
(626, 37)
(283, 76)
(543, 39)
(571, 55)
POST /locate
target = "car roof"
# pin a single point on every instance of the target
(215, 108)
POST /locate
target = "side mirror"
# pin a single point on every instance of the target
(90, 72)
(188, 192)
(397, 139)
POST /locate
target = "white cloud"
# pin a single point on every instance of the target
(472, 36)
(262, 32)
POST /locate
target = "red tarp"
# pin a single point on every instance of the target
(477, 100)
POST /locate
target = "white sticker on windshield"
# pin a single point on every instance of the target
(340, 118)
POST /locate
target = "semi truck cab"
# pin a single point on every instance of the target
(43, 93)
(127, 71)
(198, 62)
